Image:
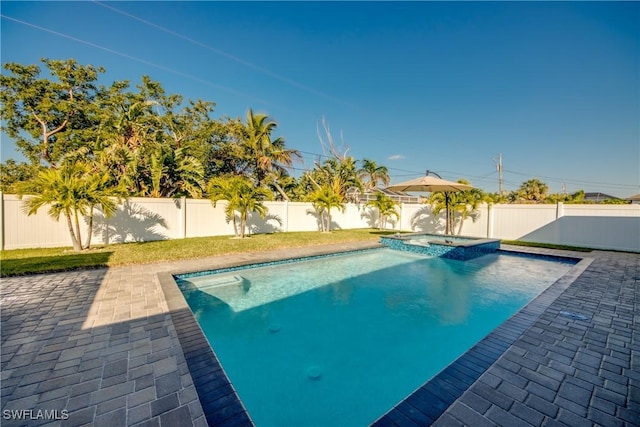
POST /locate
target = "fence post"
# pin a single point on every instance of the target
(286, 216)
(105, 235)
(559, 210)
(1, 220)
(489, 221)
(183, 216)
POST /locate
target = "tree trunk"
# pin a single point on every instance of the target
(46, 134)
(329, 220)
(321, 219)
(452, 223)
(90, 232)
(281, 191)
(78, 234)
(235, 226)
(74, 240)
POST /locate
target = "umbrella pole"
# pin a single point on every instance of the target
(446, 213)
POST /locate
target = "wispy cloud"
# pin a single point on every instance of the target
(397, 157)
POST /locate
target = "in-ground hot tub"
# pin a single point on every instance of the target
(452, 247)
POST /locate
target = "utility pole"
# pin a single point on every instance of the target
(499, 169)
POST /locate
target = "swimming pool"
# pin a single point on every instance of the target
(349, 344)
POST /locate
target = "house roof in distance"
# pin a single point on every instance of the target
(598, 197)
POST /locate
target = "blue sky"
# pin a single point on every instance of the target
(445, 86)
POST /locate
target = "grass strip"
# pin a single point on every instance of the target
(546, 246)
(40, 260)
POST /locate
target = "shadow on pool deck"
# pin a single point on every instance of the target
(78, 351)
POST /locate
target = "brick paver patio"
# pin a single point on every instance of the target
(99, 347)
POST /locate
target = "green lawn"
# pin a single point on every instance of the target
(28, 261)
(546, 245)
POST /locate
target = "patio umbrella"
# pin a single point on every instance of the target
(432, 184)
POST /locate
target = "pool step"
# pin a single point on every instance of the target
(215, 282)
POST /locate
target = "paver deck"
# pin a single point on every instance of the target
(105, 347)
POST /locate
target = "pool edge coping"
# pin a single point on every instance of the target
(228, 409)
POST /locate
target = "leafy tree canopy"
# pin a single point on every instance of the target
(42, 114)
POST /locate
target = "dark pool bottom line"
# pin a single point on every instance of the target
(223, 407)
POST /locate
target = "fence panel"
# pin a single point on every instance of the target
(202, 219)
(274, 220)
(598, 232)
(601, 210)
(140, 219)
(476, 225)
(33, 231)
(144, 219)
(514, 221)
(302, 217)
(418, 218)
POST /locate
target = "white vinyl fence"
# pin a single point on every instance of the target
(144, 219)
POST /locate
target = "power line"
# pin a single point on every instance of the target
(553, 179)
(405, 171)
(573, 181)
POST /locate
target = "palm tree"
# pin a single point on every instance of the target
(250, 199)
(467, 204)
(533, 190)
(281, 184)
(496, 198)
(266, 154)
(341, 173)
(326, 197)
(67, 191)
(386, 208)
(373, 174)
(173, 173)
(241, 196)
(463, 203)
(100, 193)
(128, 128)
(439, 203)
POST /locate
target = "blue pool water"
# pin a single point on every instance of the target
(340, 340)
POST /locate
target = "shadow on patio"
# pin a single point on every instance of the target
(59, 363)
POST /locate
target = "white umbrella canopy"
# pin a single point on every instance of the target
(431, 184)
